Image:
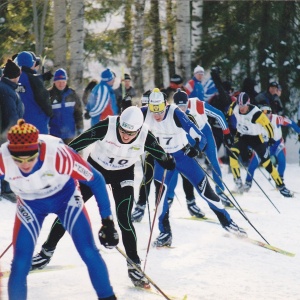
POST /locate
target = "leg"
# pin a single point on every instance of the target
(82, 236)
(144, 190)
(24, 240)
(42, 259)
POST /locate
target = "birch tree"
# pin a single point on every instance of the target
(170, 38)
(183, 38)
(76, 44)
(137, 56)
(197, 14)
(60, 33)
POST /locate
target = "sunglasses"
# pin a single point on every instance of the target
(157, 108)
(25, 160)
(130, 133)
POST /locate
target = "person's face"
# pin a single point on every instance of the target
(111, 82)
(199, 76)
(244, 109)
(127, 136)
(159, 116)
(60, 84)
(273, 90)
(25, 163)
(127, 83)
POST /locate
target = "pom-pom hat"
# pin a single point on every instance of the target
(107, 75)
(157, 103)
(23, 139)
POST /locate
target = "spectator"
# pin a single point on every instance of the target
(34, 95)
(125, 89)
(176, 82)
(67, 121)
(11, 109)
(102, 100)
(270, 98)
(194, 87)
(45, 76)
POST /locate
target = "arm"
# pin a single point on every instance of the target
(96, 132)
(260, 118)
(285, 121)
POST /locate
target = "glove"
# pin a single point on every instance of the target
(108, 235)
(168, 162)
(87, 115)
(298, 137)
(201, 144)
(228, 140)
(191, 151)
(271, 142)
(47, 76)
(216, 70)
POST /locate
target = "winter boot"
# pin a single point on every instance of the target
(239, 185)
(42, 259)
(164, 239)
(138, 213)
(247, 186)
(225, 200)
(137, 277)
(193, 209)
(235, 229)
(284, 191)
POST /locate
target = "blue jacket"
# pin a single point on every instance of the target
(35, 98)
(67, 120)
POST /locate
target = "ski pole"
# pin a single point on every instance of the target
(6, 249)
(237, 158)
(159, 195)
(139, 270)
(239, 209)
(146, 190)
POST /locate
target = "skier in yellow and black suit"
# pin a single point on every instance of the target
(250, 121)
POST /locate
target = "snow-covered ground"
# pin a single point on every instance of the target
(204, 263)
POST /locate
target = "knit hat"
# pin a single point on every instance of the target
(127, 77)
(243, 99)
(25, 59)
(11, 70)
(180, 97)
(23, 139)
(177, 79)
(60, 74)
(273, 84)
(198, 70)
(107, 75)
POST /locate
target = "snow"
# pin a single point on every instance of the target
(204, 263)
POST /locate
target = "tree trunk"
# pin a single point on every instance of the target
(76, 45)
(183, 33)
(137, 56)
(197, 14)
(170, 38)
(60, 34)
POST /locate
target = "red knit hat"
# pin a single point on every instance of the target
(23, 139)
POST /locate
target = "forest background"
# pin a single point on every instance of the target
(154, 39)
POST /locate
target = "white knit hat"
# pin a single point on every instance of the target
(199, 70)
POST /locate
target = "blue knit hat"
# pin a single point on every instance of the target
(107, 75)
(25, 59)
(60, 74)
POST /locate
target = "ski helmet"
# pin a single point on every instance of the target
(157, 103)
(131, 119)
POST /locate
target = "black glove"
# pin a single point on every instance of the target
(191, 151)
(168, 162)
(47, 76)
(87, 115)
(228, 140)
(271, 142)
(108, 235)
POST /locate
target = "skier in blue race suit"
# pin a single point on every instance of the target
(44, 172)
(170, 126)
